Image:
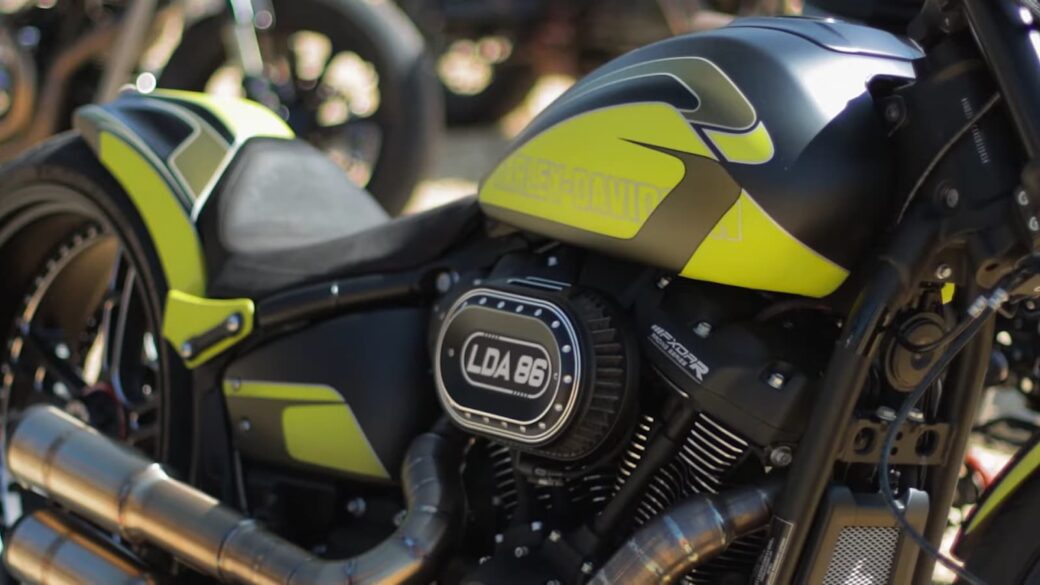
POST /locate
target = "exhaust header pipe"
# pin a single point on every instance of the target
(77, 467)
(688, 535)
(47, 549)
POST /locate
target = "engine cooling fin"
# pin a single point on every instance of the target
(706, 458)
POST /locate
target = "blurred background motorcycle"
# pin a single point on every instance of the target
(350, 76)
(490, 53)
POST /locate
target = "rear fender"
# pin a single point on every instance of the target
(168, 150)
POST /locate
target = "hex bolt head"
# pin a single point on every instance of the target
(951, 197)
(702, 329)
(233, 323)
(943, 272)
(245, 425)
(555, 536)
(520, 552)
(664, 281)
(776, 380)
(357, 507)
(186, 350)
(781, 456)
(916, 416)
(586, 568)
(886, 413)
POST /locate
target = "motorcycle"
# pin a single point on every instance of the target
(349, 76)
(721, 315)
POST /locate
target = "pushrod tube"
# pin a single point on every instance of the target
(890, 282)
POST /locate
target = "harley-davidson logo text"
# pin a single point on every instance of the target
(579, 188)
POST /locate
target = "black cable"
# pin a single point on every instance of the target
(974, 324)
(946, 148)
(931, 345)
(987, 303)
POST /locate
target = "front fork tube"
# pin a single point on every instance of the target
(963, 393)
(890, 284)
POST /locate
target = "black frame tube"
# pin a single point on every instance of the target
(960, 405)
(812, 469)
(1014, 62)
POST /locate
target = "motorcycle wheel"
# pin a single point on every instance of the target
(353, 78)
(80, 310)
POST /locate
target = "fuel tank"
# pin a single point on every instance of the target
(752, 156)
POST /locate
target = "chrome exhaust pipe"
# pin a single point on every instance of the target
(95, 477)
(687, 535)
(46, 548)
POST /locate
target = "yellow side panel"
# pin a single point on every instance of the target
(245, 118)
(750, 250)
(318, 427)
(172, 231)
(753, 147)
(187, 316)
(1006, 486)
(589, 174)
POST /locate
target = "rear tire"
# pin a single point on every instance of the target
(1007, 551)
(58, 199)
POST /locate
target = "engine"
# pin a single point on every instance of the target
(577, 380)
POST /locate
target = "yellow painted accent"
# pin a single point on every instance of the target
(330, 436)
(246, 119)
(322, 430)
(948, 290)
(1006, 486)
(587, 173)
(747, 248)
(172, 232)
(187, 316)
(753, 147)
(199, 160)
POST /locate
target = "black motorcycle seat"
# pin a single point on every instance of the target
(284, 214)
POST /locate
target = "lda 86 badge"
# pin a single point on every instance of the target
(508, 364)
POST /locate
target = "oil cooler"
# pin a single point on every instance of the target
(857, 541)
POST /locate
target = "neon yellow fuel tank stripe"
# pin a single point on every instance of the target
(747, 248)
(591, 173)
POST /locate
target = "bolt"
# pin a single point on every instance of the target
(1022, 197)
(233, 323)
(357, 507)
(555, 536)
(244, 425)
(536, 526)
(1034, 225)
(943, 272)
(586, 568)
(187, 350)
(894, 111)
(916, 416)
(443, 282)
(886, 414)
(553, 582)
(236, 384)
(951, 196)
(483, 560)
(520, 552)
(781, 456)
(664, 281)
(702, 329)
(776, 380)
(552, 261)
(334, 289)
(499, 538)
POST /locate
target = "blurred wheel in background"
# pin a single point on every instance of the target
(351, 77)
